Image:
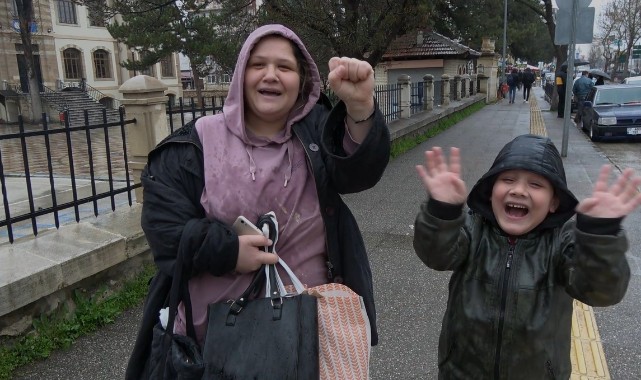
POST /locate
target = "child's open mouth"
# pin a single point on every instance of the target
(515, 210)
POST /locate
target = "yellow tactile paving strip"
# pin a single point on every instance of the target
(588, 358)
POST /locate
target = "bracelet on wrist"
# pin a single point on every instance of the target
(361, 121)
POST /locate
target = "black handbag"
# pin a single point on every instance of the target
(175, 356)
(274, 337)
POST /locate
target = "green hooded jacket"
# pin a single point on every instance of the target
(509, 310)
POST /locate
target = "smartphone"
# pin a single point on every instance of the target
(242, 226)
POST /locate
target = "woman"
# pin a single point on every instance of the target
(276, 147)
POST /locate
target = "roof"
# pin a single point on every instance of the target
(423, 44)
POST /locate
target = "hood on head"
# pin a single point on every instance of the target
(234, 108)
(533, 153)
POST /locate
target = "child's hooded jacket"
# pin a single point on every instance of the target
(510, 299)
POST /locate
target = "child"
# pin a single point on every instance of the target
(518, 260)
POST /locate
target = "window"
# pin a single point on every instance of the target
(167, 67)
(66, 12)
(101, 65)
(96, 14)
(72, 64)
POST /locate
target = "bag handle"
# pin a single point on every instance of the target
(274, 287)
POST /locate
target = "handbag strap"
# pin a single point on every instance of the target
(180, 286)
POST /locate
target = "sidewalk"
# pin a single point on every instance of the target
(411, 298)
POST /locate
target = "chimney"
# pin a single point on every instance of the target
(419, 38)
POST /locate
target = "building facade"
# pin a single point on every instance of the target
(72, 48)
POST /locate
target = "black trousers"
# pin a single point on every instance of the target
(561, 108)
(526, 92)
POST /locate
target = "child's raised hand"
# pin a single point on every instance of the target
(352, 80)
(442, 181)
(614, 201)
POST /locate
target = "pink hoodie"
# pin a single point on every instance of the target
(250, 176)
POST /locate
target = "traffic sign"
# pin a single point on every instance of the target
(567, 4)
(584, 26)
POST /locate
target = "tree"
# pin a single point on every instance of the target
(469, 22)
(545, 10)
(628, 13)
(26, 20)
(203, 30)
(352, 28)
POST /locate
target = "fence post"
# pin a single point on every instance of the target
(473, 87)
(457, 87)
(445, 80)
(428, 90)
(406, 93)
(465, 93)
(144, 100)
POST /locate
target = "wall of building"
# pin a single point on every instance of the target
(53, 37)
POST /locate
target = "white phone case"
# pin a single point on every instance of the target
(242, 226)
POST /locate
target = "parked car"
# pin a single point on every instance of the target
(612, 110)
(632, 80)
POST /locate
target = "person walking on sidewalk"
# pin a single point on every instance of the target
(278, 145)
(528, 80)
(513, 82)
(518, 261)
(581, 89)
(560, 78)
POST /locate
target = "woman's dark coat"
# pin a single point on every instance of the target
(173, 183)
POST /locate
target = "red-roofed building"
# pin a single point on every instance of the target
(425, 52)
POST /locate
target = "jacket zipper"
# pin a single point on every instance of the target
(550, 369)
(504, 294)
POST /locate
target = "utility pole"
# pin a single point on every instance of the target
(566, 33)
(504, 41)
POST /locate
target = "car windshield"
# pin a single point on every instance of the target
(619, 95)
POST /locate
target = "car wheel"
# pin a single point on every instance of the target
(594, 133)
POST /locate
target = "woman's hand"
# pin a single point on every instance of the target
(250, 254)
(442, 181)
(615, 201)
(352, 80)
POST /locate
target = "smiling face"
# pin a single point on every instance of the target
(521, 200)
(271, 86)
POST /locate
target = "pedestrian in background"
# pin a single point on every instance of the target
(581, 89)
(278, 146)
(512, 82)
(528, 80)
(559, 81)
(517, 258)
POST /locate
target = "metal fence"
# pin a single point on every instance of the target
(185, 112)
(388, 97)
(48, 171)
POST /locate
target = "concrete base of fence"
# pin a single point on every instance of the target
(40, 274)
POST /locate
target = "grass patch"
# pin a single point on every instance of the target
(403, 144)
(62, 329)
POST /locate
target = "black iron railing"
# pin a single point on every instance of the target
(55, 158)
(188, 111)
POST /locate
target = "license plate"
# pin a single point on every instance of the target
(634, 131)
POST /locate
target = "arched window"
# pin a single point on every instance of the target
(72, 63)
(101, 66)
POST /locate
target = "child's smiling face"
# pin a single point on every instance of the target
(521, 200)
